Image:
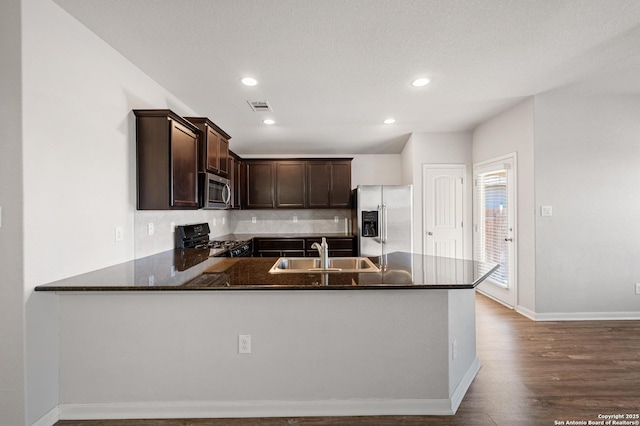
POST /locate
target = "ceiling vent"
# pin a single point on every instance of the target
(260, 106)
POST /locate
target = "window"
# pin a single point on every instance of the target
(492, 223)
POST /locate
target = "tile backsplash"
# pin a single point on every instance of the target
(289, 221)
(224, 222)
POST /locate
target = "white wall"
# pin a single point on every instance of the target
(376, 169)
(12, 377)
(80, 139)
(79, 169)
(508, 132)
(435, 148)
(587, 166)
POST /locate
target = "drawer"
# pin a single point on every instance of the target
(279, 244)
(334, 243)
(332, 253)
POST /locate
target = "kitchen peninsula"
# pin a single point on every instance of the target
(397, 341)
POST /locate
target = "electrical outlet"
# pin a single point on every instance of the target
(244, 343)
(152, 279)
(151, 228)
(336, 219)
(454, 349)
(637, 288)
(223, 220)
(295, 219)
(546, 210)
(119, 233)
(173, 227)
(253, 219)
(214, 221)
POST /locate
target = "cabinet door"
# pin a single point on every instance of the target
(223, 156)
(213, 146)
(318, 184)
(290, 184)
(340, 194)
(184, 167)
(234, 179)
(260, 178)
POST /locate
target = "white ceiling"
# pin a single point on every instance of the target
(333, 70)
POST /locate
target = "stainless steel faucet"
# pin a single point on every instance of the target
(323, 252)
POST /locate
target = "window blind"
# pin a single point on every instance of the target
(492, 223)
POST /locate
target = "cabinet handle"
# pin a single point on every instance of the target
(228, 197)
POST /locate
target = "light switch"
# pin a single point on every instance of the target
(546, 211)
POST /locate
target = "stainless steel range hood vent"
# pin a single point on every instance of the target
(260, 106)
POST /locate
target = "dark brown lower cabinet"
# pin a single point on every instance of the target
(338, 247)
(278, 247)
(301, 247)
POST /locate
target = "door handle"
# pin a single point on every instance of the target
(429, 233)
(508, 239)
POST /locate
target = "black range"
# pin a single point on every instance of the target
(197, 236)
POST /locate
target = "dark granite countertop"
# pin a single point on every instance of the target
(243, 237)
(192, 269)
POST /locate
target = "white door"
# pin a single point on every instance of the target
(495, 225)
(443, 187)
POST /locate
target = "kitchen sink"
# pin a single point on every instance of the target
(312, 264)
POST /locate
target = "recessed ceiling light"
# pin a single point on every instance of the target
(389, 121)
(248, 81)
(420, 82)
(269, 121)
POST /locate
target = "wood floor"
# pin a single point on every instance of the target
(533, 373)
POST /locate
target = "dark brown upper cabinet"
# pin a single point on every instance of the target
(340, 194)
(167, 161)
(290, 182)
(297, 183)
(235, 173)
(329, 184)
(259, 184)
(214, 146)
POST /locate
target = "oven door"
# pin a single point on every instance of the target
(216, 192)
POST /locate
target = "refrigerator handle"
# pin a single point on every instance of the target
(384, 218)
(381, 223)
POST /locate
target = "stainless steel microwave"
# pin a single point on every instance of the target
(215, 192)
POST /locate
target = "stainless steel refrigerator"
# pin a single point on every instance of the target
(385, 219)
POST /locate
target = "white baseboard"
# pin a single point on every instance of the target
(461, 390)
(238, 409)
(48, 419)
(526, 312)
(569, 316)
(587, 316)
